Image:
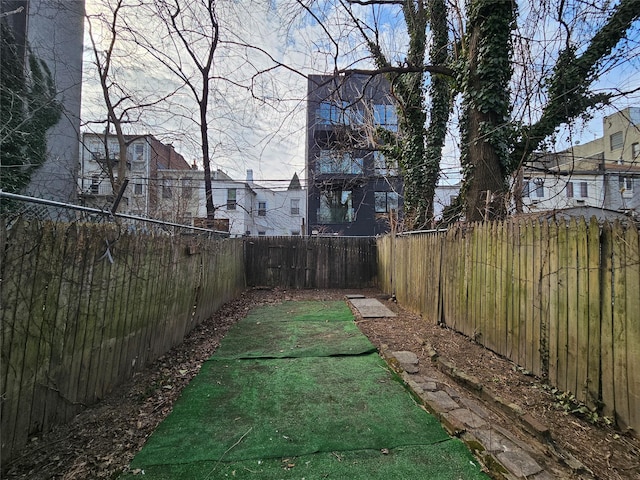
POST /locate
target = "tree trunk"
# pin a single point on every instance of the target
(485, 123)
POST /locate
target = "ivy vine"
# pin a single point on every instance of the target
(28, 108)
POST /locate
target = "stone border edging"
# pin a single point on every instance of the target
(494, 447)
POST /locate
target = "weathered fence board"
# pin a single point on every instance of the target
(311, 262)
(559, 299)
(593, 368)
(632, 276)
(620, 341)
(86, 306)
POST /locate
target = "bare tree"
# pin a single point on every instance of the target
(188, 51)
(112, 44)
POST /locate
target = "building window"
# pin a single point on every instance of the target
(262, 209)
(569, 189)
(582, 192)
(295, 233)
(261, 233)
(341, 163)
(626, 185)
(166, 191)
(138, 189)
(95, 185)
(385, 116)
(336, 206)
(584, 189)
(231, 198)
(336, 113)
(382, 166)
(635, 150)
(616, 140)
(187, 189)
(386, 202)
(533, 188)
(295, 206)
(138, 151)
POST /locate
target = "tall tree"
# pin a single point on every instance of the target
(484, 81)
(417, 148)
(194, 33)
(492, 145)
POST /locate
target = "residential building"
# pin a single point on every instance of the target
(279, 212)
(244, 208)
(154, 171)
(445, 195)
(178, 197)
(351, 188)
(603, 174)
(53, 30)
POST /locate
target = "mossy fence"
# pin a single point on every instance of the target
(84, 307)
(561, 300)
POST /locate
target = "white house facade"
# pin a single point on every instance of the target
(244, 208)
(602, 174)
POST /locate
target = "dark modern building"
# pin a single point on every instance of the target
(352, 188)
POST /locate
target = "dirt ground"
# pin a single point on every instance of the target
(102, 440)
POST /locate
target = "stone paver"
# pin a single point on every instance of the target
(519, 463)
(409, 358)
(465, 416)
(371, 308)
(441, 400)
(468, 418)
(493, 441)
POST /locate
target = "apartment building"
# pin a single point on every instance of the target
(154, 171)
(351, 188)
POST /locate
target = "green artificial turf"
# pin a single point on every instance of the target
(295, 392)
(449, 460)
(312, 310)
(295, 329)
(289, 407)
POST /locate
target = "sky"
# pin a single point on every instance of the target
(257, 119)
(257, 115)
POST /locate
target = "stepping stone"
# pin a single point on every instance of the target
(371, 308)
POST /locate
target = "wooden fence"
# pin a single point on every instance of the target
(559, 299)
(83, 307)
(311, 262)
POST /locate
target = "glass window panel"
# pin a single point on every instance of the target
(584, 189)
(335, 206)
(335, 162)
(380, 202)
(616, 140)
(295, 206)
